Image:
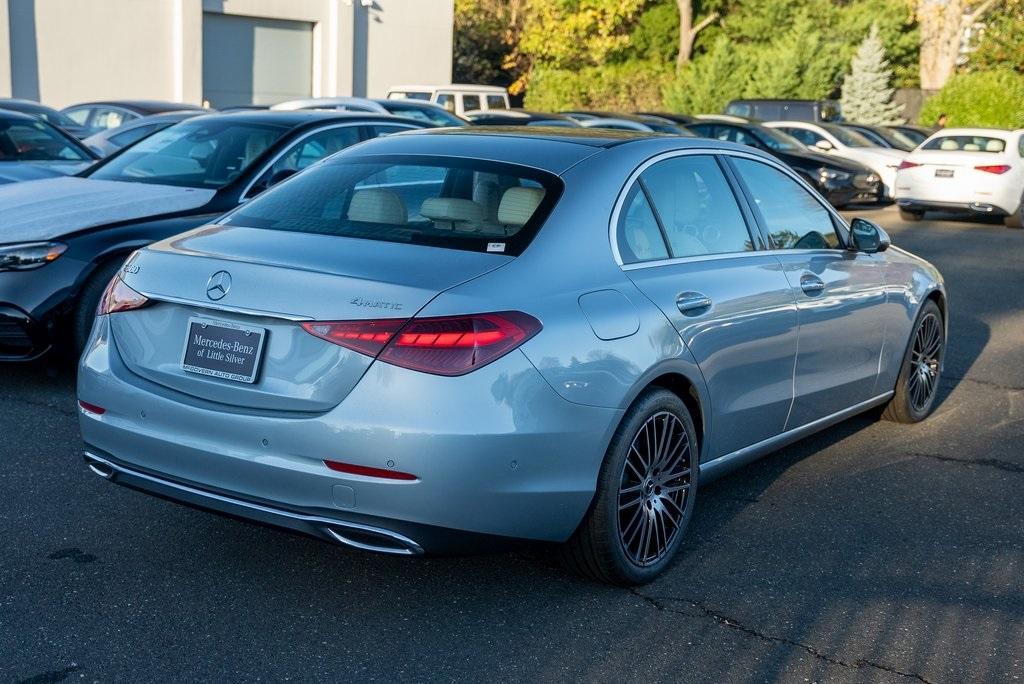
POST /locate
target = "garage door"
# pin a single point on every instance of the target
(247, 60)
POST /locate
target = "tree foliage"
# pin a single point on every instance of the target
(867, 95)
(985, 98)
(1002, 39)
(486, 45)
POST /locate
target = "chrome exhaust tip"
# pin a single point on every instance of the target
(98, 466)
(366, 538)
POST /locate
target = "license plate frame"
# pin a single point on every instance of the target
(943, 173)
(223, 353)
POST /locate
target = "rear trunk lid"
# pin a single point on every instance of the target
(274, 281)
(948, 176)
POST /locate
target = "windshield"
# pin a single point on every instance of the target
(848, 137)
(35, 141)
(779, 141)
(966, 143)
(194, 154)
(443, 202)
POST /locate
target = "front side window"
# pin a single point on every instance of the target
(809, 138)
(470, 103)
(793, 217)
(696, 207)
(207, 154)
(35, 141)
(848, 137)
(966, 143)
(307, 151)
(445, 202)
(79, 116)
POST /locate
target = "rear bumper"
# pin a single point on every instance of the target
(977, 208)
(496, 453)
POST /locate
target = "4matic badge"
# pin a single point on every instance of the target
(375, 304)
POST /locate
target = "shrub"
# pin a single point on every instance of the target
(982, 98)
(627, 87)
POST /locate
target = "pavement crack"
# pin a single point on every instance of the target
(1007, 466)
(737, 625)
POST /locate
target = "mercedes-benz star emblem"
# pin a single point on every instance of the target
(218, 286)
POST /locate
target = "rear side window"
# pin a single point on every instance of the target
(443, 202)
(470, 103)
(696, 207)
(496, 102)
(966, 143)
(794, 218)
(639, 236)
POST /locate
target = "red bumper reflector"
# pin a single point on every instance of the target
(353, 469)
(92, 408)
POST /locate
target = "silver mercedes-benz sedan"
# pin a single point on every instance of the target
(450, 339)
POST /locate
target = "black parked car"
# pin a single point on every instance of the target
(655, 122)
(519, 117)
(94, 117)
(31, 149)
(840, 181)
(883, 136)
(682, 119)
(47, 114)
(62, 239)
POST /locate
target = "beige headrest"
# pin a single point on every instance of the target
(971, 147)
(461, 214)
(949, 144)
(995, 145)
(376, 205)
(518, 204)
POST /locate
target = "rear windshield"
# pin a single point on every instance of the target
(966, 143)
(443, 202)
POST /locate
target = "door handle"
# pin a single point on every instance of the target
(811, 284)
(688, 302)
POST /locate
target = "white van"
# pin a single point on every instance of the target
(458, 98)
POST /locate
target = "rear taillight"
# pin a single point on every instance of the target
(906, 165)
(443, 345)
(91, 408)
(993, 168)
(120, 297)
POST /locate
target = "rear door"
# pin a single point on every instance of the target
(690, 245)
(840, 294)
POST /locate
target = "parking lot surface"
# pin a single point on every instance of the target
(870, 552)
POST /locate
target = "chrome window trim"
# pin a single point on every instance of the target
(243, 196)
(770, 161)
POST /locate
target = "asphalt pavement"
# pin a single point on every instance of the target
(870, 552)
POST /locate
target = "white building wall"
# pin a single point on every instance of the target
(65, 51)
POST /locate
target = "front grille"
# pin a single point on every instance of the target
(865, 181)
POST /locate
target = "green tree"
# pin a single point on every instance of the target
(798, 64)
(708, 83)
(984, 98)
(867, 95)
(1002, 39)
(572, 34)
(486, 41)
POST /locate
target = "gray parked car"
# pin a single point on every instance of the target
(441, 338)
(31, 149)
(108, 141)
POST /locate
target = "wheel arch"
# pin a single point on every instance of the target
(687, 391)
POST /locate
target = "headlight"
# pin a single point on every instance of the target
(827, 174)
(29, 255)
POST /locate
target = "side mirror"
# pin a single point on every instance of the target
(868, 237)
(824, 145)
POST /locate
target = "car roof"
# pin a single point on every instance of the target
(16, 115)
(20, 104)
(315, 102)
(301, 116)
(451, 86)
(552, 149)
(151, 106)
(974, 131)
(515, 113)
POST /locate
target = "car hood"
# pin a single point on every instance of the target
(16, 172)
(821, 159)
(50, 208)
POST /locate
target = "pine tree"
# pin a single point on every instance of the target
(867, 96)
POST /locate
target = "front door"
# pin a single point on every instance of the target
(691, 247)
(840, 294)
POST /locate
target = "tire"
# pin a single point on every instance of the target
(598, 550)
(88, 300)
(911, 216)
(921, 369)
(1016, 219)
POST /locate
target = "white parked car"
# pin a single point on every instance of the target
(457, 98)
(847, 144)
(977, 170)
